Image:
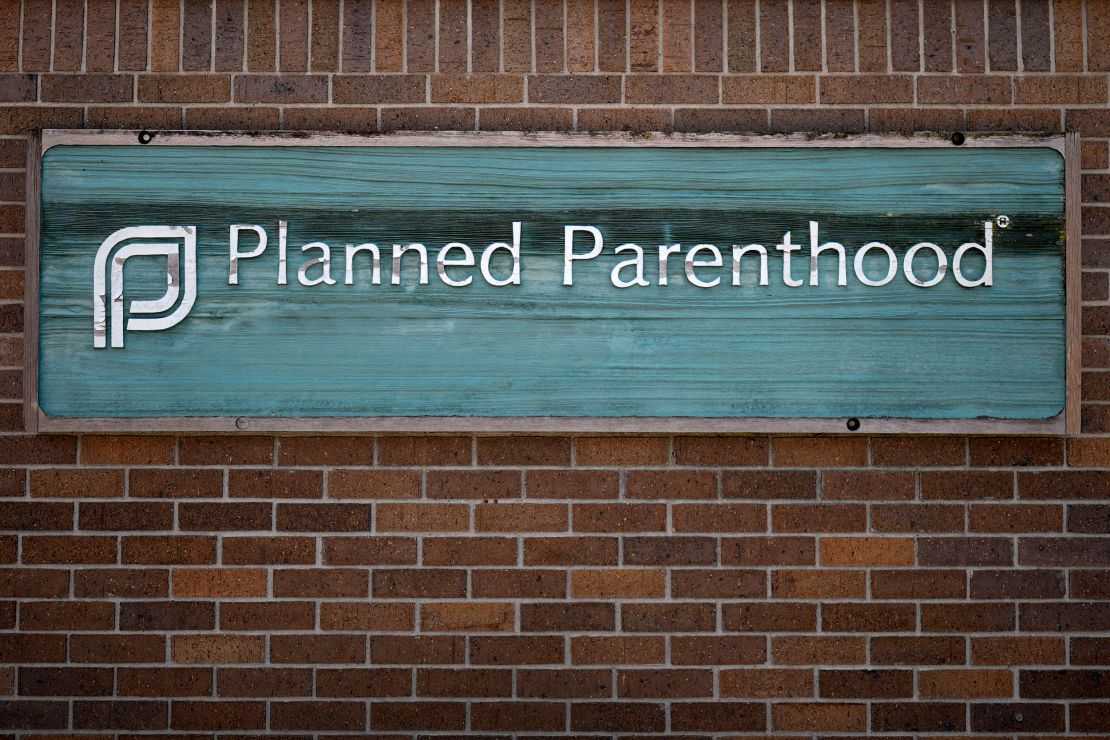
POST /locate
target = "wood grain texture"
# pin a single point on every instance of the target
(542, 349)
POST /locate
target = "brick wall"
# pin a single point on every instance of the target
(681, 585)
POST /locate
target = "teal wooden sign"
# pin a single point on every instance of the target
(533, 283)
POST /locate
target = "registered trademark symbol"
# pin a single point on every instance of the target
(1002, 221)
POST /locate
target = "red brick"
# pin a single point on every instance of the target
(162, 616)
(421, 583)
(766, 683)
(225, 450)
(853, 90)
(269, 550)
(1017, 717)
(168, 550)
(76, 550)
(463, 682)
(104, 648)
(219, 582)
(616, 716)
(917, 650)
(819, 451)
(769, 551)
(618, 584)
(618, 650)
(521, 518)
(304, 451)
(525, 119)
(719, 517)
(524, 583)
(424, 451)
(323, 517)
(35, 516)
(463, 484)
(967, 485)
(272, 615)
(375, 484)
(53, 616)
(624, 119)
(223, 517)
(769, 485)
(867, 551)
(623, 451)
(660, 484)
(363, 550)
(184, 89)
(176, 483)
(127, 450)
(802, 650)
(867, 486)
(469, 551)
(668, 617)
(366, 617)
(219, 716)
(516, 650)
(314, 583)
(966, 618)
(417, 650)
(563, 617)
(76, 483)
(97, 516)
(564, 683)
(477, 89)
(418, 715)
(1015, 518)
(770, 616)
(360, 682)
(1017, 650)
(917, 517)
(275, 484)
(87, 88)
(120, 715)
(523, 451)
(868, 617)
(1016, 451)
(66, 681)
(918, 584)
(818, 517)
(467, 617)
(918, 452)
(281, 89)
(127, 583)
(822, 716)
(563, 484)
(619, 517)
(958, 683)
(866, 684)
(1055, 485)
(315, 649)
(423, 517)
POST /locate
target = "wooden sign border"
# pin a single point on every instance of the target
(1067, 422)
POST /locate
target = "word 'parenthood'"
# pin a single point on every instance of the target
(704, 265)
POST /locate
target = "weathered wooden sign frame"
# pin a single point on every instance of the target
(37, 420)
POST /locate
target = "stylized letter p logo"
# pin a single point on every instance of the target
(154, 245)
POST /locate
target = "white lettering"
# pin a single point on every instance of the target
(636, 262)
(568, 249)
(236, 255)
(442, 263)
(692, 261)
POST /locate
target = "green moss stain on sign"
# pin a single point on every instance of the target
(292, 281)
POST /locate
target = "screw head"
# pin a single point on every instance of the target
(1002, 221)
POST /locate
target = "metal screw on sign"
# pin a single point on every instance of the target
(241, 422)
(145, 137)
(853, 424)
(1002, 221)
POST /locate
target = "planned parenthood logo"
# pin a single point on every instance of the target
(178, 244)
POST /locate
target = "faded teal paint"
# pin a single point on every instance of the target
(543, 349)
